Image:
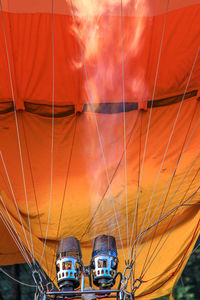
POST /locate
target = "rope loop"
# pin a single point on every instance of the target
(38, 281)
(137, 283)
(50, 286)
(126, 276)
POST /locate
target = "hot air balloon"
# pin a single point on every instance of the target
(99, 138)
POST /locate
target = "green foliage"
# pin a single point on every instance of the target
(184, 292)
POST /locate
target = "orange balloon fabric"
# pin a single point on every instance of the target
(66, 163)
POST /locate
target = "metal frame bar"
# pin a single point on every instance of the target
(78, 294)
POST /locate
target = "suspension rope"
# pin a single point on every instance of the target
(162, 215)
(179, 219)
(183, 179)
(17, 129)
(18, 243)
(98, 132)
(176, 167)
(16, 205)
(139, 162)
(20, 282)
(52, 128)
(167, 215)
(33, 182)
(181, 152)
(1, 198)
(112, 178)
(169, 225)
(171, 179)
(124, 118)
(169, 141)
(149, 121)
(185, 258)
(65, 189)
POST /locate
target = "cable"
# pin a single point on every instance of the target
(169, 141)
(178, 265)
(191, 197)
(185, 258)
(8, 227)
(166, 216)
(32, 179)
(124, 117)
(172, 177)
(20, 282)
(17, 129)
(149, 121)
(65, 188)
(183, 180)
(99, 136)
(181, 202)
(14, 228)
(112, 178)
(170, 232)
(16, 205)
(52, 129)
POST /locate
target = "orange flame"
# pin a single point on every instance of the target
(101, 34)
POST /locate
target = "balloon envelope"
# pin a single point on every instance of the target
(100, 136)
